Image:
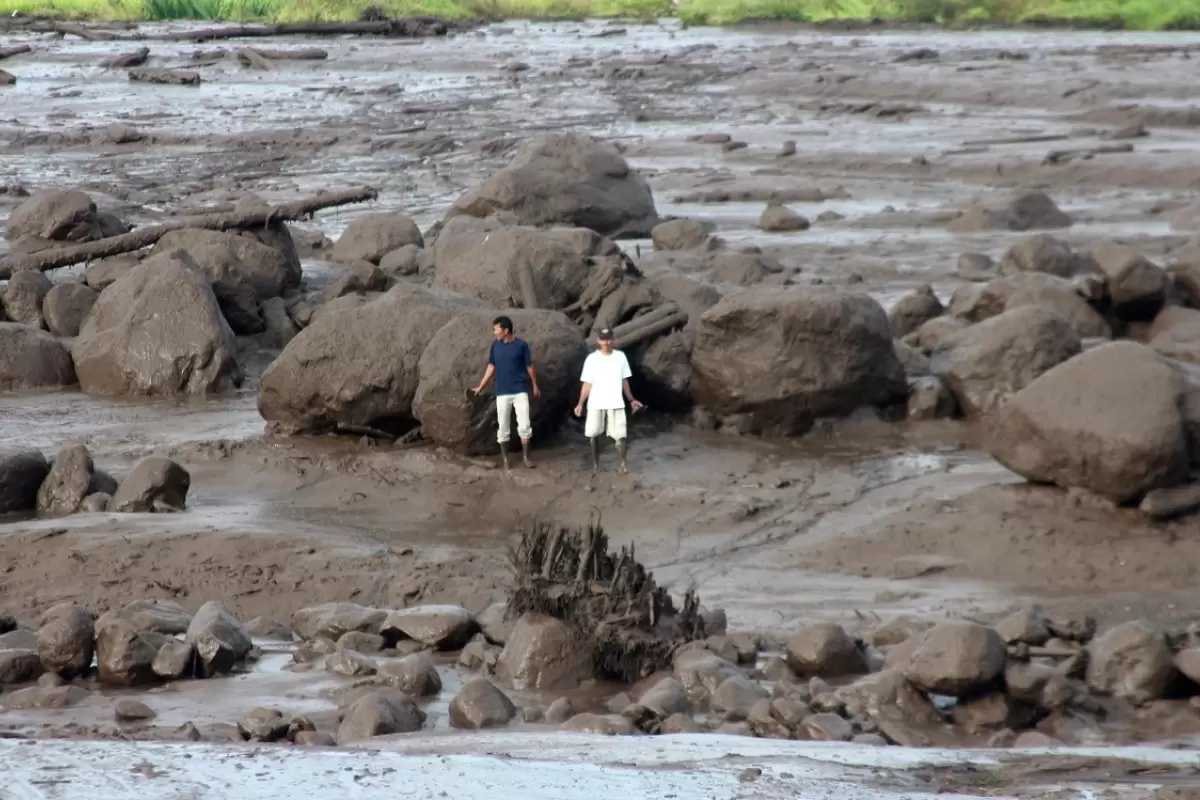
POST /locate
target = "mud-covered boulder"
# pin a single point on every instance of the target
(415, 675)
(19, 665)
(65, 307)
(1175, 333)
(701, 672)
(887, 695)
(777, 218)
(333, 620)
(914, 310)
(219, 637)
(691, 296)
(407, 260)
(379, 714)
(123, 656)
(65, 640)
(988, 363)
(156, 484)
(741, 269)
(1041, 253)
(156, 616)
(566, 179)
(105, 272)
(55, 214)
(666, 697)
(23, 298)
(21, 475)
(487, 262)
(680, 234)
(30, 358)
(69, 481)
(977, 302)
(1018, 210)
(358, 366)
(662, 371)
(956, 658)
(231, 259)
(1137, 287)
(457, 355)
(479, 704)
(1108, 420)
(736, 695)
(440, 627)
(1130, 661)
(786, 358)
(1061, 297)
(824, 650)
(372, 236)
(234, 292)
(542, 653)
(157, 331)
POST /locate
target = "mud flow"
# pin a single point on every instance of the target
(897, 520)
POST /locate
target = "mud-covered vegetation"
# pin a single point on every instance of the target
(1128, 14)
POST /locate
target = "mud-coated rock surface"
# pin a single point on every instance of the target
(156, 331)
(1018, 210)
(824, 650)
(65, 640)
(542, 653)
(372, 236)
(378, 714)
(442, 627)
(457, 355)
(1108, 420)
(786, 358)
(55, 214)
(1130, 661)
(156, 484)
(66, 306)
(30, 358)
(24, 296)
(68, 483)
(567, 179)
(956, 658)
(479, 704)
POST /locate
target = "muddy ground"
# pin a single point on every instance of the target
(859, 522)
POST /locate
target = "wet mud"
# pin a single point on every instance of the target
(859, 522)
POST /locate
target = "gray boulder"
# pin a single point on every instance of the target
(33, 359)
(66, 306)
(156, 484)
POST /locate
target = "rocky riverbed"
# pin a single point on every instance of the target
(869, 282)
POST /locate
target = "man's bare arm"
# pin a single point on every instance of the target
(487, 376)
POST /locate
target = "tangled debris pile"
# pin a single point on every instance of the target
(611, 602)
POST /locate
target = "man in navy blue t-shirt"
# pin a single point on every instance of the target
(512, 363)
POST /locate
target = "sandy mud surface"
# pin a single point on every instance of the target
(859, 522)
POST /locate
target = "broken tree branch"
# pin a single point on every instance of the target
(45, 260)
(165, 76)
(1064, 156)
(9, 52)
(135, 58)
(411, 27)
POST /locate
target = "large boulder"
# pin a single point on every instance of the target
(220, 638)
(1041, 253)
(456, 357)
(23, 298)
(69, 481)
(680, 234)
(1131, 661)
(233, 290)
(787, 358)
(372, 236)
(976, 302)
(379, 714)
(1137, 287)
(662, 370)
(570, 179)
(439, 627)
(230, 258)
(1019, 210)
(30, 358)
(156, 484)
(1109, 420)
(691, 296)
(824, 650)
(357, 366)
(333, 620)
(479, 704)
(914, 310)
(65, 640)
(123, 655)
(157, 331)
(21, 475)
(1060, 296)
(1175, 333)
(956, 658)
(543, 653)
(55, 214)
(486, 262)
(987, 363)
(66, 306)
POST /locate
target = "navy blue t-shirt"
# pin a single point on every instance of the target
(512, 361)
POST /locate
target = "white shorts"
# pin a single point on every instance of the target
(602, 420)
(505, 405)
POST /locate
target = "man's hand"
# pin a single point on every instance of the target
(579, 410)
(478, 389)
(637, 405)
(536, 392)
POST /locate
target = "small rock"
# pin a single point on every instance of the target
(416, 675)
(824, 650)
(479, 704)
(263, 725)
(827, 728)
(127, 710)
(376, 714)
(781, 219)
(156, 484)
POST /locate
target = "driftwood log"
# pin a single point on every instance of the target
(16, 50)
(65, 256)
(405, 28)
(629, 624)
(165, 76)
(134, 58)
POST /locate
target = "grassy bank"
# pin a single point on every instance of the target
(1129, 14)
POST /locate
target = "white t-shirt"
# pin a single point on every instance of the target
(605, 373)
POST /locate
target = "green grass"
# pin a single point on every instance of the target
(1128, 14)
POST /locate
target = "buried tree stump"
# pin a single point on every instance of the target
(629, 624)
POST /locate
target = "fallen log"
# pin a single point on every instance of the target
(165, 76)
(649, 331)
(1065, 156)
(628, 624)
(410, 28)
(16, 50)
(297, 54)
(84, 32)
(45, 260)
(135, 58)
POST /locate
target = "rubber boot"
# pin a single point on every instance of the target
(525, 454)
(622, 449)
(504, 454)
(595, 442)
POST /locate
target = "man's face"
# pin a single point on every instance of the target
(606, 345)
(499, 332)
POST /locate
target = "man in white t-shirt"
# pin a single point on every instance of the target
(605, 387)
